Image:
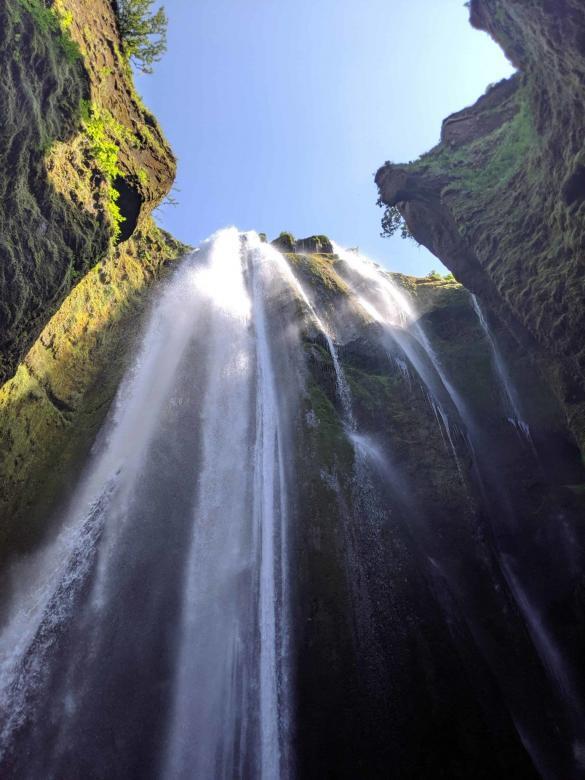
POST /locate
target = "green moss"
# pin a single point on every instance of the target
(490, 161)
(106, 136)
(328, 437)
(45, 240)
(52, 408)
(319, 270)
(56, 21)
(370, 390)
(285, 242)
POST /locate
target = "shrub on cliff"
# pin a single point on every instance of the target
(143, 31)
(393, 222)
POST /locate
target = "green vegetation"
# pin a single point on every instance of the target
(435, 276)
(319, 268)
(45, 240)
(320, 244)
(393, 222)
(489, 161)
(509, 147)
(58, 223)
(53, 406)
(55, 20)
(61, 211)
(106, 135)
(371, 391)
(106, 153)
(144, 32)
(285, 242)
(328, 438)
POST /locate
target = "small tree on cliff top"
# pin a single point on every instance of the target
(393, 222)
(143, 31)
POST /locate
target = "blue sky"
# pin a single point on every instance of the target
(280, 111)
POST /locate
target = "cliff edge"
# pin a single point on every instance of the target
(501, 199)
(83, 162)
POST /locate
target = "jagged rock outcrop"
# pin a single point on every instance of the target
(82, 162)
(501, 199)
(286, 242)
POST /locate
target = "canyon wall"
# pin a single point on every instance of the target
(83, 164)
(501, 199)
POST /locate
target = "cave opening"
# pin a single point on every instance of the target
(574, 186)
(130, 203)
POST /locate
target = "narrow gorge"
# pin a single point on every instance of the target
(268, 509)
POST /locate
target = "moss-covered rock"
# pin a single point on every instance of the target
(286, 242)
(83, 162)
(83, 165)
(501, 199)
(51, 410)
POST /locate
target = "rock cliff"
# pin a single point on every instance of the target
(82, 165)
(455, 490)
(501, 199)
(82, 161)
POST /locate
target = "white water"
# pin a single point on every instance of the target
(207, 350)
(389, 306)
(514, 408)
(211, 348)
(37, 580)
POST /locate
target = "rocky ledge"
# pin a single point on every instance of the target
(501, 199)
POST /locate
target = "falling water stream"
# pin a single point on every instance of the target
(515, 413)
(386, 304)
(198, 421)
(152, 633)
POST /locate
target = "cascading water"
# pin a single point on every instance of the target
(515, 414)
(198, 422)
(385, 304)
(269, 568)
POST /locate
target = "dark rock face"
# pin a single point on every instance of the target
(55, 218)
(491, 111)
(501, 199)
(409, 633)
(130, 205)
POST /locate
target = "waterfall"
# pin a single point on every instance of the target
(223, 530)
(386, 304)
(389, 306)
(189, 474)
(515, 415)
